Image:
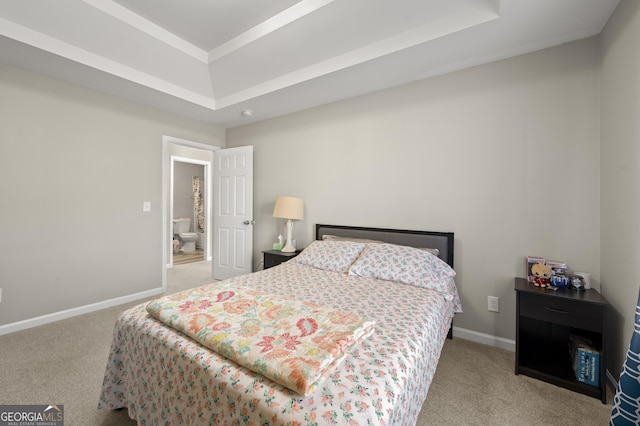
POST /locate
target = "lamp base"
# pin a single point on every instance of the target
(288, 247)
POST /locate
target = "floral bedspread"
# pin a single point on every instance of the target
(165, 378)
(292, 342)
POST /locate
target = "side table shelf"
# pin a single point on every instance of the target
(544, 321)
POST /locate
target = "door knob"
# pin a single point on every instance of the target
(249, 222)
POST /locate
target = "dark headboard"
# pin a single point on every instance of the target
(443, 241)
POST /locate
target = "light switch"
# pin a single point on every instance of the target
(146, 206)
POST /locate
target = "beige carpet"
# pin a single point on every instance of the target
(63, 363)
(475, 384)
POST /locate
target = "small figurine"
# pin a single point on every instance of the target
(577, 283)
(541, 275)
(560, 281)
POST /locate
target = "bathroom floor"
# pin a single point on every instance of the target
(182, 258)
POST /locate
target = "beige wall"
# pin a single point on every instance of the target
(76, 166)
(620, 152)
(506, 155)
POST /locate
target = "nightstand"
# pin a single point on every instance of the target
(275, 257)
(544, 321)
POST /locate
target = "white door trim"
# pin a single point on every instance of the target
(167, 187)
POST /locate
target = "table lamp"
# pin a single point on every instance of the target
(290, 208)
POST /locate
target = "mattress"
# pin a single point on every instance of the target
(164, 377)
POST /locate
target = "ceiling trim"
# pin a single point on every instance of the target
(138, 22)
(68, 51)
(283, 56)
(297, 11)
(446, 26)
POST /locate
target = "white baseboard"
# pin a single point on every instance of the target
(486, 339)
(57, 316)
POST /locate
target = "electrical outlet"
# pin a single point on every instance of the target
(146, 206)
(0, 295)
(493, 304)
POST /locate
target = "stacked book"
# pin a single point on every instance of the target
(585, 359)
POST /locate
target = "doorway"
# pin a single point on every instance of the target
(184, 151)
(190, 211)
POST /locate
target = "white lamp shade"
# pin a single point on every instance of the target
(289, 208)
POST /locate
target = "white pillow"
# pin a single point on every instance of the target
(334, 256)
(407, 265)
(433, 251)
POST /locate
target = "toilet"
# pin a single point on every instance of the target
(187, 239)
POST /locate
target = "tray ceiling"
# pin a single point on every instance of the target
(211, 60)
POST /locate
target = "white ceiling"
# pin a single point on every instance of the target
(212, 59)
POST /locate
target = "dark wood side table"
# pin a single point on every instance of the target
(544, 320)
(273, 258)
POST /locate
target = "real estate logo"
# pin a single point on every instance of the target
(31, 415)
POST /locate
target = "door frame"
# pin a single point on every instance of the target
(168, 144)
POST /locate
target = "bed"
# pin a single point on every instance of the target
(162, 376)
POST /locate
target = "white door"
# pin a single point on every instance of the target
(232, 212)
